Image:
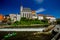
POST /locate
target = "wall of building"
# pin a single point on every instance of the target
(34, 17)
(18, 17)
(26, 12)
(13, 17)
(1, 18)
(51, 19)
(40, 17)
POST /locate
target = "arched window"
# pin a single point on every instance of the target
(23, 14)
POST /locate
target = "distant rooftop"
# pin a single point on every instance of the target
(26, 10)
(49, 16)
(40, 15)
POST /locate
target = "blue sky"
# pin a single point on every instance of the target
(50, 7)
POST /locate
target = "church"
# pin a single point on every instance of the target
(26, 12)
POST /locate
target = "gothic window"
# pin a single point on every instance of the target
(23, 14)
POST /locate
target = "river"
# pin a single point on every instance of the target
(24, 36)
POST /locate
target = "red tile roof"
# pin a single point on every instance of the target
(1, 17)
(49, 16)
(33, 11)
(40, 15)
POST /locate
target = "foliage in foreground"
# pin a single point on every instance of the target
(25, 21)
(58, 21)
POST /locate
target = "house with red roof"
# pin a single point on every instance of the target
(51, 18)
(34, 15)
(40, 16)
(1, 17)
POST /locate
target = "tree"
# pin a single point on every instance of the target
(58, 21)
(9, 21)
(45, 19)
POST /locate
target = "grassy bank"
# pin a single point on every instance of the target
(27, 23)
(25, 26)
(30, 23)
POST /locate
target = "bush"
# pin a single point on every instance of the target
(58, 21)
(25, 21)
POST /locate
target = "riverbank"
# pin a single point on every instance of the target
(26, 36)
(24, 26)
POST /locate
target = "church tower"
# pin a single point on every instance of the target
(21, 8)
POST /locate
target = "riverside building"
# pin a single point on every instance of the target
(1, 17)
(34, 15)
(26, 12)
(13, 17)
(40, 17)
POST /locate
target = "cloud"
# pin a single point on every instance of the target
(40, 10)
(39, 1)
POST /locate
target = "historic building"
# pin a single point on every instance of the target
(25, 12)
(34, 15)
(1, 17)
(51, 18)
(13, 17)
(18, 17)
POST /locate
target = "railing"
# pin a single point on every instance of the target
(55, 37)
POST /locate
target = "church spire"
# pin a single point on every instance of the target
(21, 7)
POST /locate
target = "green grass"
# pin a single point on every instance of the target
(27, 36)
(25, 21)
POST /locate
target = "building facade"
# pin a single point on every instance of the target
(1, 18)
(25, 12)
(51, 18)
(18, 17)
(34, 15)
(40, 17)
(13, 17)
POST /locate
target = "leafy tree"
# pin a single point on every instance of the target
(25, 21)
(45, 20)
(58, 21)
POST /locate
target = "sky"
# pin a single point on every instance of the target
(46, 7)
